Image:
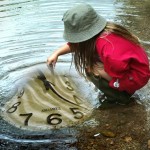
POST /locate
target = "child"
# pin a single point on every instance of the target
(107, 53)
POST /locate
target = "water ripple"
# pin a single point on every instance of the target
(30, 30)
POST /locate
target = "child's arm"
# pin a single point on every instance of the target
(51, 60)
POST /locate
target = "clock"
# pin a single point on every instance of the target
(48, 99)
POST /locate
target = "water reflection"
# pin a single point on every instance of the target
(134, 15)
(49, 100)
(30, 31)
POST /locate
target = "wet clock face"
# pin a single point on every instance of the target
(47, 101)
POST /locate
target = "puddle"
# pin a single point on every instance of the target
(48, 100)
(30, 32)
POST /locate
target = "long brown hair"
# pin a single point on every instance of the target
(122, 31)
(84, 53)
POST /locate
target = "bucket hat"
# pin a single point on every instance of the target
(81, 23)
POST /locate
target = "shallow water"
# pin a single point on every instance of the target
(30, 30)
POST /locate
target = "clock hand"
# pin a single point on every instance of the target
(48, 86)
(43, 78)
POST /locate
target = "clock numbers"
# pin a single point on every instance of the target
(51, 119)
(13, 108)
(78, 114)
(77, 99)
(21, 93)
(27, 119)
(69, 87)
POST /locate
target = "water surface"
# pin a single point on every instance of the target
(30, 30)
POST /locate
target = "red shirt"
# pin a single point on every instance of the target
(126, 62)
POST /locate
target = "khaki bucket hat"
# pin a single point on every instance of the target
(82, 23)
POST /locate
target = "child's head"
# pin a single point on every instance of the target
(82, 23)
(82, 27)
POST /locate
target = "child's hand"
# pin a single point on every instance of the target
(51, 60)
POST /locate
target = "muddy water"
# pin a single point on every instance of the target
(30, 31)
(135, 15)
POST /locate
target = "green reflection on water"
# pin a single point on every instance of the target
(135, 16)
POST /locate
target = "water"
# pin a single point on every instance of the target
(30, 30)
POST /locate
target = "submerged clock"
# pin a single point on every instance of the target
(47, 101)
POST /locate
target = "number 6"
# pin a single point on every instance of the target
(50, 119)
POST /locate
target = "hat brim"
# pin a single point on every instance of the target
(87, 34)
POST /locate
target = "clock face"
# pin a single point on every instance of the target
(47, 100)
